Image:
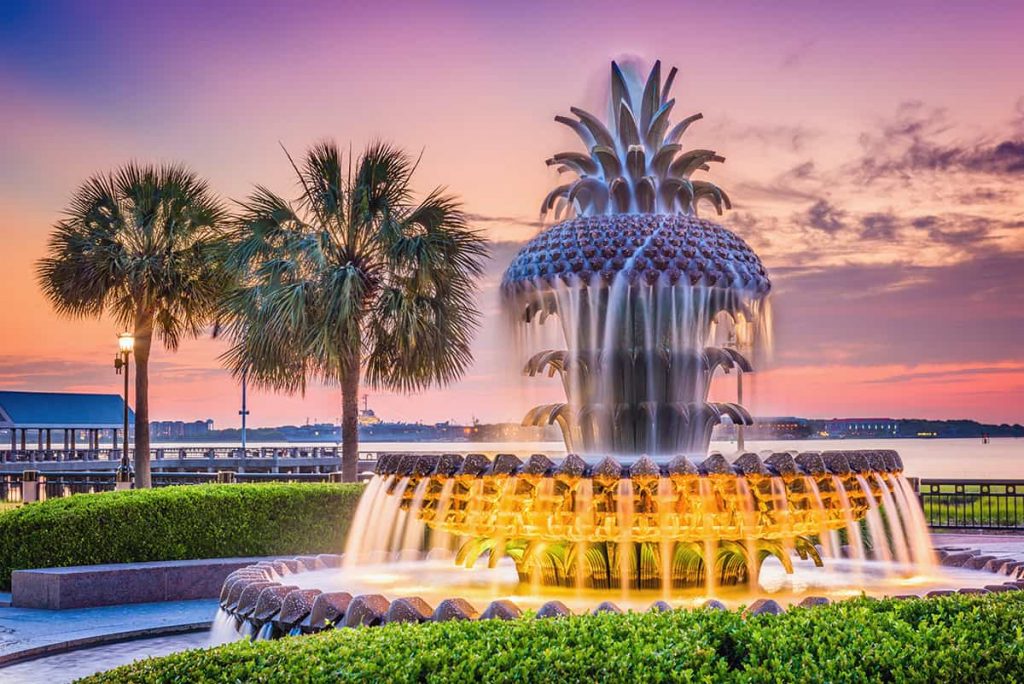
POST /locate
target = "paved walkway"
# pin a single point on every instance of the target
(1011, 544)
(70, 666)
(29, 632)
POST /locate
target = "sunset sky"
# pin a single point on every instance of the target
(875, 156)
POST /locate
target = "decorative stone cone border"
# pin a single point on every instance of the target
(259, 598)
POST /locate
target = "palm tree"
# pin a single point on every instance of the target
(352, 277)
(139, 244)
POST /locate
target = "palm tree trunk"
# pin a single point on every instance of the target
(350, 420)
(143, 342)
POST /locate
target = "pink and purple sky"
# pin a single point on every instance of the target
(875, 157)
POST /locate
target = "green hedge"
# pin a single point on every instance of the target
(950, 639)
(173, 523)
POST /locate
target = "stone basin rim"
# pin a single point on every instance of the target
(374, 612)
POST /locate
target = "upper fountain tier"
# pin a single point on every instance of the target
(635, 204)
(649, 248)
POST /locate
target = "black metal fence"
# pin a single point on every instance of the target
(973, 504)
(57, 485)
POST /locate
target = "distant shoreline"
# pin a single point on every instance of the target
(363, 440)
(763, 429)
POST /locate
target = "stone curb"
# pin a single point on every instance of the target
(264, 584)
(99, 640)
(114, 584)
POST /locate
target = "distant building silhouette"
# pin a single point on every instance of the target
(178, 429)
(862, 427)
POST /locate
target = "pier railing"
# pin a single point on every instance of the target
(273, 460)
(58, 484)
(159, 453)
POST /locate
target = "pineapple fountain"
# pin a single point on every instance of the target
(641, 287)
(650, 300)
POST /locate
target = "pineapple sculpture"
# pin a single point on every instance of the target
(639, 283)
(641, 288)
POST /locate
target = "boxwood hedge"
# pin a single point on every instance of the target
(174, 523)
(949, 639)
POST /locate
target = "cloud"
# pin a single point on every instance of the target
(879, 226)
(950, 374)
(986, 195)
(941, 195)
(22, 372)
(46, 373)
(1003, 158)
(969, 310)
(786, 136)
(1018, 117)
(754, 229)
(518, 221)
(950, 229)
(825, 217)
(915, 140)
(803, 171)
(798, 184)
(957, 230)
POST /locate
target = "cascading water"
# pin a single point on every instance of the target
(649, 525)
(635, 384)
(223, 629)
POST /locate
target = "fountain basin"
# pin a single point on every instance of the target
(641, 523)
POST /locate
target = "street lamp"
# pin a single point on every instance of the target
(125, 344)
(244, 412)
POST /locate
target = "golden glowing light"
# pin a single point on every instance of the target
(125, 343)
(592, 531)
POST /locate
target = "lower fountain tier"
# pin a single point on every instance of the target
(646, 502)
(648, 524)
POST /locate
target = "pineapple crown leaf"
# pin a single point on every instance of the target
(632, 163)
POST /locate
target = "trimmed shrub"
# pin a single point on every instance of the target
(950, 639)
(177, 523)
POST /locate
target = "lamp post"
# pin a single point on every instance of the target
(125, 344)
(244, 412)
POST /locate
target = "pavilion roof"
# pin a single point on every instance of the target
(61, 410)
